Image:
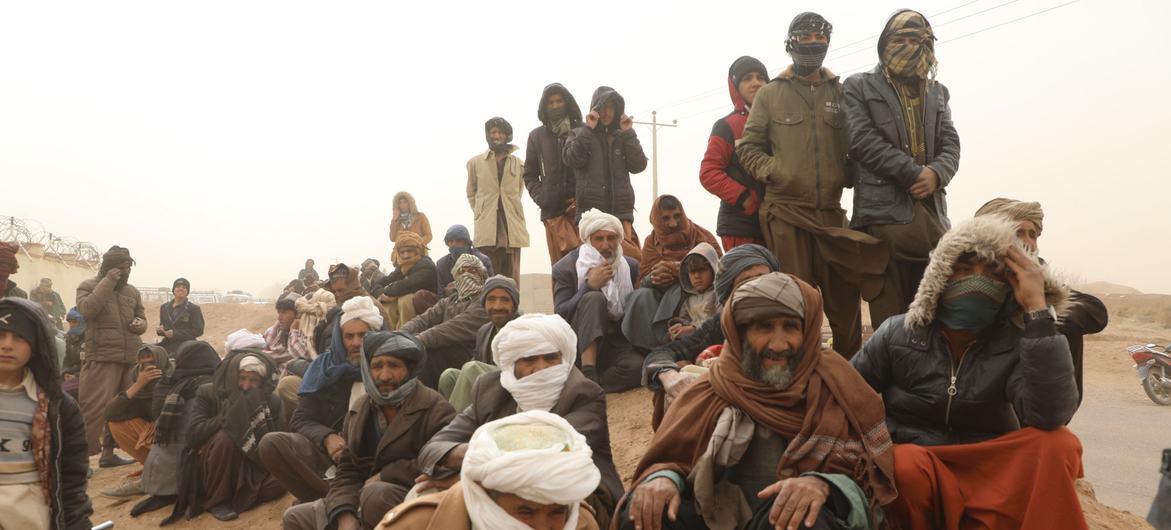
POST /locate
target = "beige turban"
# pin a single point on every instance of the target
(1013, 209)
(772, 295)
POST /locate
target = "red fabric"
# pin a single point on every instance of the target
(731, 242)
(711, 169)
(1024, 479)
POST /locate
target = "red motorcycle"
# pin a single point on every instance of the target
(1153, 364)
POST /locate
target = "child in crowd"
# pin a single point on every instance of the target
(696, 276)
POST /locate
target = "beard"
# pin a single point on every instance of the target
(778, 377)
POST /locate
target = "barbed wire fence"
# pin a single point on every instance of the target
(34, 241)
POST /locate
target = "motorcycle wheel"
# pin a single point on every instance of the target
(1156, 390)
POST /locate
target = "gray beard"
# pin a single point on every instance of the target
(778, 377)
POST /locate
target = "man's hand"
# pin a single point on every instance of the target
(115, 274)
(626, 123)
(752, 203)
(679, 330)
(649, 499)
(138, 325)
(160, 330)
(665, 273)
(170, 333)
(925, 184)
(455, 457)
(425, 482)
(1026, 279)
(797, 499)
(592, 118)
(348, 521)
(387, 299)
(334, 445)
(598, 276)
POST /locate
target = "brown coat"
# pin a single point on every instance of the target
(419, 223)
(422, 415)
(447, 511)
(107, 313)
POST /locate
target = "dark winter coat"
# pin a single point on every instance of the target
(321, 413)
(108, 313)
(602, 160)
(186, 321)
(722, 175)
(421, 276)
(566, 294)
(549, 181)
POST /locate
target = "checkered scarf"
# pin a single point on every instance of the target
(909, 60)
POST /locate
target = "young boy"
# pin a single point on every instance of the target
(43, 473)
(696, 275)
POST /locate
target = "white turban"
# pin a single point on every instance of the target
(527, 336)
(362, 308)
(243, 339)
(251, 364)
(534, 455)
(588, 257)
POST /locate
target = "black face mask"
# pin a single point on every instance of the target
(807, 58)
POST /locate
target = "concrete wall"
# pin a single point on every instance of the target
(65, 277)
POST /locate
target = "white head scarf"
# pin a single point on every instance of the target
(251, 364)
(588, 257)
(534, 455)
(362, 308)
(526, 336)
(243, 339)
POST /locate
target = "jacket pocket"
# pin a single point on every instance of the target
(875, 191)
(787, 136)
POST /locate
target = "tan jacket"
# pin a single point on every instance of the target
(447, 511)
(107, 313)
(484, 192)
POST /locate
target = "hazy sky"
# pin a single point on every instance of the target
(228, 141)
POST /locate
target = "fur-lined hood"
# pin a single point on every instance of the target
(989, 238)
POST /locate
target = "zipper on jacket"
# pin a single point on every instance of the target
(951, 387)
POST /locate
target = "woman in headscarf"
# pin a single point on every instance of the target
(221, 468)
(408, 218)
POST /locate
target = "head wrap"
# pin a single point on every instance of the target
(534, 455)
(772, 295)
(351, 286)
(243, 339)
(737, 261)
(468, 284)
(245, 414)
(505, 127)
(807, 58)
(1016, 210)
(405, 239)
(527, 336)
(672, 244)
(501, 282)
(115, 257)
(8, 263)
(161, 358)
(195, 362)
(908, 60)
(251, 363)
(588, 257)
(399, 344)
(362, 308)
(371, 261)
(46, 282)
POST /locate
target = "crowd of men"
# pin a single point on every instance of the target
(424, 398)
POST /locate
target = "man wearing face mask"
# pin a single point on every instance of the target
(495, 186)
(535, 354)
(550, 182)
(905, 151)
(795, 143)
(978, 384)
(385, 428)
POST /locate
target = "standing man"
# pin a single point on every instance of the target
(495, 185)
(308, 273)
(720, 171)
(905, 151)
(180, 320)
(50, 301)
(9, 265)
(115, 320)
(549, 180)
(602, 154)
(795, 143)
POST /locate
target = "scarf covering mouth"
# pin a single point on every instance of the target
(915, 61)
(468, 283)
(528, 336)
(534, 455)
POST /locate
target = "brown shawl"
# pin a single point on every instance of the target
(834, 421)
(352, 288)
(673, 245)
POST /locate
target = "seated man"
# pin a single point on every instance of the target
(590, 285)
(673, 237)
(661, 370)
(173, 399)
(501, 301)
(228, 419)
(535, 354)
(459, 242)
(529, 470)
(312, 308)
(448, 329)
(371, 274)
(389, 420)
(780, 433)
(285, 344)
(130, 417)
(299, 459)
(414, 271)
(976, 371)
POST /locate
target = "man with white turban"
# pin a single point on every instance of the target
(590, 286)
(527, 471)
(535, 354)
(300, 458)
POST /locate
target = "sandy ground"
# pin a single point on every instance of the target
(1123, 433)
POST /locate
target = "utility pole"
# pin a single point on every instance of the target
(654, 123)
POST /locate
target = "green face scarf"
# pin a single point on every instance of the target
(971, 304)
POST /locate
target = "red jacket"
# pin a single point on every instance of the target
(721, 174)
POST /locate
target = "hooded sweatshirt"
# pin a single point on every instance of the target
(602, 160)
(549, 181)
(698, 306)
(720, 171)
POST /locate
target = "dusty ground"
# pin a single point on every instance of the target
(1122, 431)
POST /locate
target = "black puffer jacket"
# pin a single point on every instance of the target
(602, 160)
(421, 276)
(549, 181)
